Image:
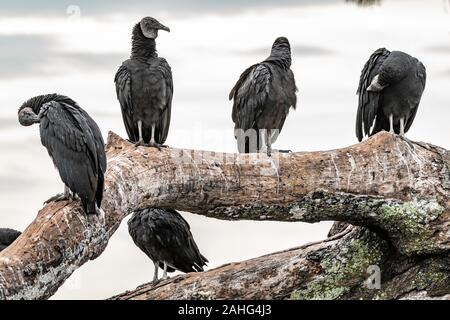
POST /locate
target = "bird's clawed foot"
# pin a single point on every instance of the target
(157, 145)
(404, 138)
(140, 143)
(269, 152)
(151, 144)
(284, 151)
(58, 198)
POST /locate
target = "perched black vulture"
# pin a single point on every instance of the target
(7, 236)
(75, 144)
(262, 97)
(144, 87)
(165, 237)
(390, 89)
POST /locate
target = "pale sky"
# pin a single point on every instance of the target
(45, 49)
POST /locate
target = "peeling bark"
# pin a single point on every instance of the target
(396, 187)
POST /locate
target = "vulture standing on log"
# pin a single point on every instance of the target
(262, 97)
(7, 236)
(390, 89)
(165, 237)
(144, 87)
(75, 144)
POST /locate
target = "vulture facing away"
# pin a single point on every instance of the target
(165, 237)
(75, 144)
(390, 89)
(262, 97)
(7, 236)
(144, 87)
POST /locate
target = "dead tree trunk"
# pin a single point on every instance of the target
(397, 191)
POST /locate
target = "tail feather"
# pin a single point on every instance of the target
(90, 207)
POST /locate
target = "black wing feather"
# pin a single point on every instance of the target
(164, 122)
(100, 153)
(250, 95)
(175, 235)
(368, 101)
(123, 91)
(422, 75)
(71, 144)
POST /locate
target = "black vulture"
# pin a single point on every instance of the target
(144, 87)
(7, 236)
(75, 144)
(165, 237)
(262, 97)
(390, 89)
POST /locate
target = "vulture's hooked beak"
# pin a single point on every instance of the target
(163, 27)
(376, 86)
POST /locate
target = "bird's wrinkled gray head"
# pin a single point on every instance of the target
(27, 117)
(150, 26)
(30, 110)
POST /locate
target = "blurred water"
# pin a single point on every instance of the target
(331, 41)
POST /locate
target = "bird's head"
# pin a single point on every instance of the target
(29, 112)
(281, 53)
(281, 46)
(150, 26)
(27, 117)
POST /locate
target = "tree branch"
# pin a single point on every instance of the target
(386, 183)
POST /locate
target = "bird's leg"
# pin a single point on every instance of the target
(66, 195)
(155, 275)
(269, 142)
(262, 147)
(153, 142)
(274, 133)
(141, 139)
(391, 124)
(72, 195)
(402, 126)
(165, 271)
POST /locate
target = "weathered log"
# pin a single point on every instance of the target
(386, 183)
(356, 264)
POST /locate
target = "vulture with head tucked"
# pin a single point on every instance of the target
(75, 144)
(165, 237)
(390, 89)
